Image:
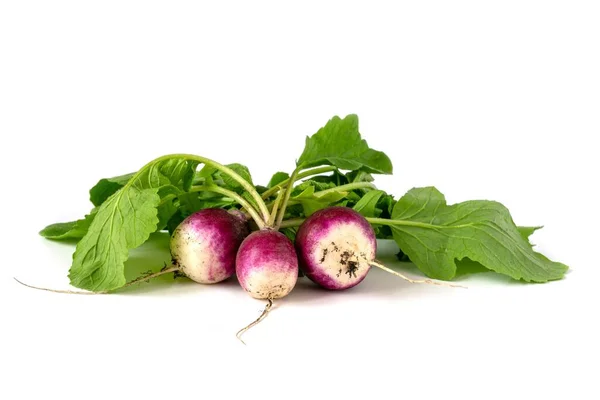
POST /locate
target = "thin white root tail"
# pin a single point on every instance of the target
(142, 278)
(262, 316)
(57, 291)
(427, 281)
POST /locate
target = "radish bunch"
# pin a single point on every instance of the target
(335, 248)
(323, 220)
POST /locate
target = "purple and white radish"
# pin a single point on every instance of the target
(204, 245)
(267, 265)
(336, 247)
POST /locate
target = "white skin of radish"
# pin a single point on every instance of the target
(198, 261)
(346, 239)
(263, 284)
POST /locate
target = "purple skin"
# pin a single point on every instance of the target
(267, 265)
(335, 247)
(205, 244)
(239, 214)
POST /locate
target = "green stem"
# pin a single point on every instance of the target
(315, 171)
(347, 187)
(166, 199)
(342, 188)
(286, 196)
(262, 207)
(337, 189)
(292, 223)
(275, 208)
(243, 202)
(400, 222)
(290, 202)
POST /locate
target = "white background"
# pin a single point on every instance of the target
(484, 100)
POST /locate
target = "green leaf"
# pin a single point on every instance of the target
(468, 266)
(69, 230)
(260, 189)
(165, 212)
(209, 175)
(359, 176)
(335, 178)
(289, 232)
(339, 143)
(123, 222)
(277, 178)
(167, 207)
(527, 231)
(175, 220)
(312, 202)
(231, 183)
(106, 187)
(190, 203)
(434, 235)
(386, 204)
(384, 207)
(353, 196)
(294, 211)
(367, 205)
(315, 184)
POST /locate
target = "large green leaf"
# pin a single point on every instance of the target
(435, 235)
(123, 222)
(467, 266)
(339, 143)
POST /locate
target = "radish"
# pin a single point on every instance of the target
(336, 247)
(267, 268)
(267, 265)
(204, 245)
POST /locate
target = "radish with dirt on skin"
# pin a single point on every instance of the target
(336, 248)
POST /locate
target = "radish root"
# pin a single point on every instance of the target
(57, 291)
(262, 316)
(140, 279)
(427, 281)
